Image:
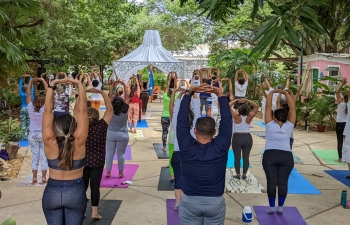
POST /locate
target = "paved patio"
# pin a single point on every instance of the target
(143, 204)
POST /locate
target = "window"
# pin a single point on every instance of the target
(333, 71)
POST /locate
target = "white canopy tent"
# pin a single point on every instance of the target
(151, 52)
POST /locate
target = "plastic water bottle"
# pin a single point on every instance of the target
(343, 198)
(247, 214)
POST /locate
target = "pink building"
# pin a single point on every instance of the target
(328, 64)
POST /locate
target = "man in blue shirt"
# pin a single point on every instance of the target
(203, 162)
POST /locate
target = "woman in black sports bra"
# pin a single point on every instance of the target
(64, 200)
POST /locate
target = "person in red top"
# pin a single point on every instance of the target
(133, 113)
(96, 150)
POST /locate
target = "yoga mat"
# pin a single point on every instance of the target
(260, 123)
(250, 185)
(23, 143)
(340, 175)
(139, 134)
(328, 155)
(109, 182)
(290, 216)
(295, 157)
(297, 184)
(261, 134)
(164, 183)
(127, 155)
(158, 149)
(106, 208)
(102, 108)
(141, 124)
(231, 160)
(171, 214)
(27, 182)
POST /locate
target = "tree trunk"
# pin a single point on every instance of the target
(12, 150)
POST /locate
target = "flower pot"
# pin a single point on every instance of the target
(320, 128)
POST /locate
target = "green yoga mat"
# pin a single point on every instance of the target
(295, 157)
(328, 155)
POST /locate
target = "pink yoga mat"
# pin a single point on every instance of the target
(127, 154)
(110, 182)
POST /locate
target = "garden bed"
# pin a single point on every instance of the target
(10, 168)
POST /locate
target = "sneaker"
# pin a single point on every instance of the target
(121, 175)
(176, 207)
(244, 177)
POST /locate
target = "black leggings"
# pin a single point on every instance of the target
(94, 175)
(144, 97)
(64, 202)
(278, 165)
(175, 163)
(339, 129)
(242, 143)
(165, 121)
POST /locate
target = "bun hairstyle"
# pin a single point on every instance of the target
(24, 88)
(117, 105)
(64, 127)
(243, 110)
(95, 83)
(281, 115)
(93, 115)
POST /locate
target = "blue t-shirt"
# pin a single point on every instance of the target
(23, 95)
(205, 95)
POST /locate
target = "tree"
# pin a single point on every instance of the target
(15, 17)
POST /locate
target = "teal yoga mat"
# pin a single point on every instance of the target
(231, 160)
(260, 123)
(298, 184)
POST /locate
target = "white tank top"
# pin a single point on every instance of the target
(341, 115)
(242, 127)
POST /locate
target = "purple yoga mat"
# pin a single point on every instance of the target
(127, 155)
(109, 182)
(172, 216)
(290, 216)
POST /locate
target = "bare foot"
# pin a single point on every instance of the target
(35, 180)
(108, 174)
(338, 160)
(135, 131)
(121, 175)
(98, 217)
(43, 180)
(164, 149)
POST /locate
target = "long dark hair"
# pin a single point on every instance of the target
(346, 99)
(132, 91)
(117, 105)
(64, 127)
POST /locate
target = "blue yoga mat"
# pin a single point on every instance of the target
(340, 175)
(142, 124)
(260, 123)
(231, 160)
(297, 184)
(102, 108)
(23, 143)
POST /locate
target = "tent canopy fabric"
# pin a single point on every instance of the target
(150, 52)
(307, 81)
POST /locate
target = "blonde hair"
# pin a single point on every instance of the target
(64, 127)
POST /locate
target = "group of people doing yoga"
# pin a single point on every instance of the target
(198, 145)
(75, 148)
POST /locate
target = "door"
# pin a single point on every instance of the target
(315, 73)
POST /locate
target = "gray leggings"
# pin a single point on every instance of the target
(116, 140)
(202, 210)
(242, 142)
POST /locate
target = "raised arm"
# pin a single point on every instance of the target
(233, 112)
(236, 76)
(127, 92)
(267, 82)
(168, 83)
(176, 109)
(278, 101)
(109, 108)
(253, 112)
(183, 133)
(171, 105)
(291, 104)
(29, 90)
(245, 76)
(268, 107)
(43, 81)
(338, 95)
(262, 90)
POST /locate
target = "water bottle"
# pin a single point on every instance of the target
(343, 198)
(247, 214)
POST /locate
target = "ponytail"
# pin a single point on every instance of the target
(66, 151)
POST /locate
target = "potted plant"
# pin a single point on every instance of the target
(324, 111)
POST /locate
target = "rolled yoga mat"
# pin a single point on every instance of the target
(106, 208)
(158, 149)
(127, 155)
(297, 184)
(114, 181)
(340, 175)
(164, 183)
(290, 216)
(328, 155)
(172, 215)
(231, 160)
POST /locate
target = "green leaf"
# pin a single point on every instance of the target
(292, 34)
(10, 221)
(265, 28)
(275, 8)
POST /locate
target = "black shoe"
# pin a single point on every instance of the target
(348, 176)
(237, 177)
(244, 177)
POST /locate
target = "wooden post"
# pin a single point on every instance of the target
(12, 150)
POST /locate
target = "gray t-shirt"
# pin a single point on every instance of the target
(119, 123)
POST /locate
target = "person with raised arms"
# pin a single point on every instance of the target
(203, 161)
